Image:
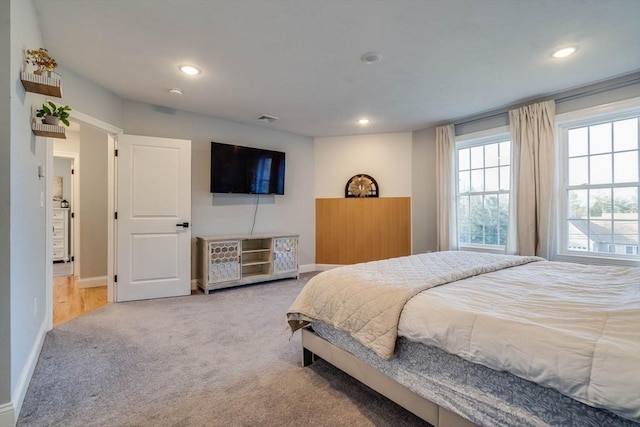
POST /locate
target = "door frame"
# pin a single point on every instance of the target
(111, 132)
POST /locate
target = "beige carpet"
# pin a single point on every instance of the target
(224, 359)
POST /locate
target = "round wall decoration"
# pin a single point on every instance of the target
(361, 185)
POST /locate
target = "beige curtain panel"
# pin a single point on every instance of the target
(532, 178)
(447, 238)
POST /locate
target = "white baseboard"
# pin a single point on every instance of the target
(92, 282)
(324, 267)
(7, 415)
(306, 268)
(18, 394)
(194, 284)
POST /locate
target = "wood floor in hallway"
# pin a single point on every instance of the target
(70, 302)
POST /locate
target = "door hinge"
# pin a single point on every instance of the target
(73, 171)
(73, 214)
(115, 215)
(73, 258)
(115, 278)
(116, 153)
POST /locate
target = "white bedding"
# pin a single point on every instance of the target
(366, 299)
(571, 327)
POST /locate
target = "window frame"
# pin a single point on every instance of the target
(606, 113)
(475, 139)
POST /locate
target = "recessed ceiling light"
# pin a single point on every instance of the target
(363, 121)
(371, 57)
(175, 91)
(564, 52)
(190, 70)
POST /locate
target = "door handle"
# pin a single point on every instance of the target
(184, 224)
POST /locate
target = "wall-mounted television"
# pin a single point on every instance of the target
(246, 170)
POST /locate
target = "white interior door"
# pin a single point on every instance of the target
(153, 255)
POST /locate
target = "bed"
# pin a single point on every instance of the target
(466, 338)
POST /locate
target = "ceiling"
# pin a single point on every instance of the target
(299, 60)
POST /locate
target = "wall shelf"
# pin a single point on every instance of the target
(41, 84)
(51, 131)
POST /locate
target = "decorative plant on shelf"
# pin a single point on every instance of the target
(41, 59)
(51, 113)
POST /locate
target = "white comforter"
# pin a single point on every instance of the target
(366, 299)
(571, 327)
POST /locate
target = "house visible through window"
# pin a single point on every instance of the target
(483, 168)
(600, 186)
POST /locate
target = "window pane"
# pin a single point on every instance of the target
(505, 177)
(625, 168)
(490, 155)
(503, 206)
(477, 157)
(625, 135)
(601, 236)
(602, 188)
(600, 169)
(463, 159)
(578, 235)
(483, 218)
(577, 204)
(600, 138)
(625, 203)
(476, 220)
(579, 171)
(463, 219)
(463, 208)
(625, 233)
(491, 179)
(463, 182)
(491, 220)
(477, 180)
(505, 153)
(578, 142)
(600, 205)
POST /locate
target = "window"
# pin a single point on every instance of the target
(483, 169)
(600, 182)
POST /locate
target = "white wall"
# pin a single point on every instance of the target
(386, 157)
(233, 214)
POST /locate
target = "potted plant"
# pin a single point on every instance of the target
(41, 60)
(52, 114)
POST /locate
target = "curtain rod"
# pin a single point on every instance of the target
(560, 97)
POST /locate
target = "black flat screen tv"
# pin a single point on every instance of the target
(246, 170)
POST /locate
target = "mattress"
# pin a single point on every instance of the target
(571, 327)
(475, 392)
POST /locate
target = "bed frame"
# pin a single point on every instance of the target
(314, 347)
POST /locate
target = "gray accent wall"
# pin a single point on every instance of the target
(62, 168)
(5, 217)
(423, 199)
(93, 203)
(215, 214)
(26, 234)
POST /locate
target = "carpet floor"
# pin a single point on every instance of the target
(224, 359)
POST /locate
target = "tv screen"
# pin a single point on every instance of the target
(246, 170)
